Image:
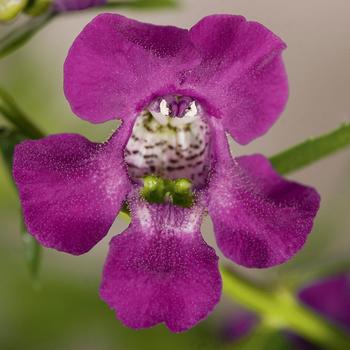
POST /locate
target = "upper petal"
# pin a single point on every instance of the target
(117, 65)
(260, 219)
(161, 270)
(70, 188)
(241, 77)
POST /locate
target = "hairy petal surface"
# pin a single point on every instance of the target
(75, 5)
(71, 189)
(260, 219)
(160, 269)
(241, 78)
(116, 66)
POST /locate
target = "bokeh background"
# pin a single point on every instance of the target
(65, 311)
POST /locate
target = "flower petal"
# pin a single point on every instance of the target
(161, 270)
(242, 74)
(116, 66)
(330, 297)
(70, 188)
(74, 5)
(260, 219)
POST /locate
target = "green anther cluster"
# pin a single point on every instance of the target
(158, 190)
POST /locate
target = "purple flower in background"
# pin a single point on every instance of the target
(177, 92)
(75, 5)
(329, 297)
(238, 326)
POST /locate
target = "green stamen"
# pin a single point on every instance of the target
(182, 193)
(158, 190)
(153, 189)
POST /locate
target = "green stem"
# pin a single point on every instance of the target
(17, 117)
(311, 150)
(8, 139)
(19, 36)
(284, 311)
(33, 252)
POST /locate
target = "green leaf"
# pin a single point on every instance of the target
(20, 35)
(311, 150)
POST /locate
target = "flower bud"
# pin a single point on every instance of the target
(9, 9)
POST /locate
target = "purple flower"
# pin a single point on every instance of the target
(75, 5)
(330, 297)
(177, 92)
(238, 326)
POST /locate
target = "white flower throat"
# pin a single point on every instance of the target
(170, 140)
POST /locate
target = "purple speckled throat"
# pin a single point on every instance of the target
(170, 139)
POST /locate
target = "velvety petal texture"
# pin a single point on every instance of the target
(74, 5)
(160, 269)
(234, 68)
(260, 219)
(117, 65)
(241, 76)
(70, 188)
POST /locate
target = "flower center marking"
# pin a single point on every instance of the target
(170, 139)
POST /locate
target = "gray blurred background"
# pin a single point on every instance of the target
(317, 59)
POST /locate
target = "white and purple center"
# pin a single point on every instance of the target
(170, 139)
